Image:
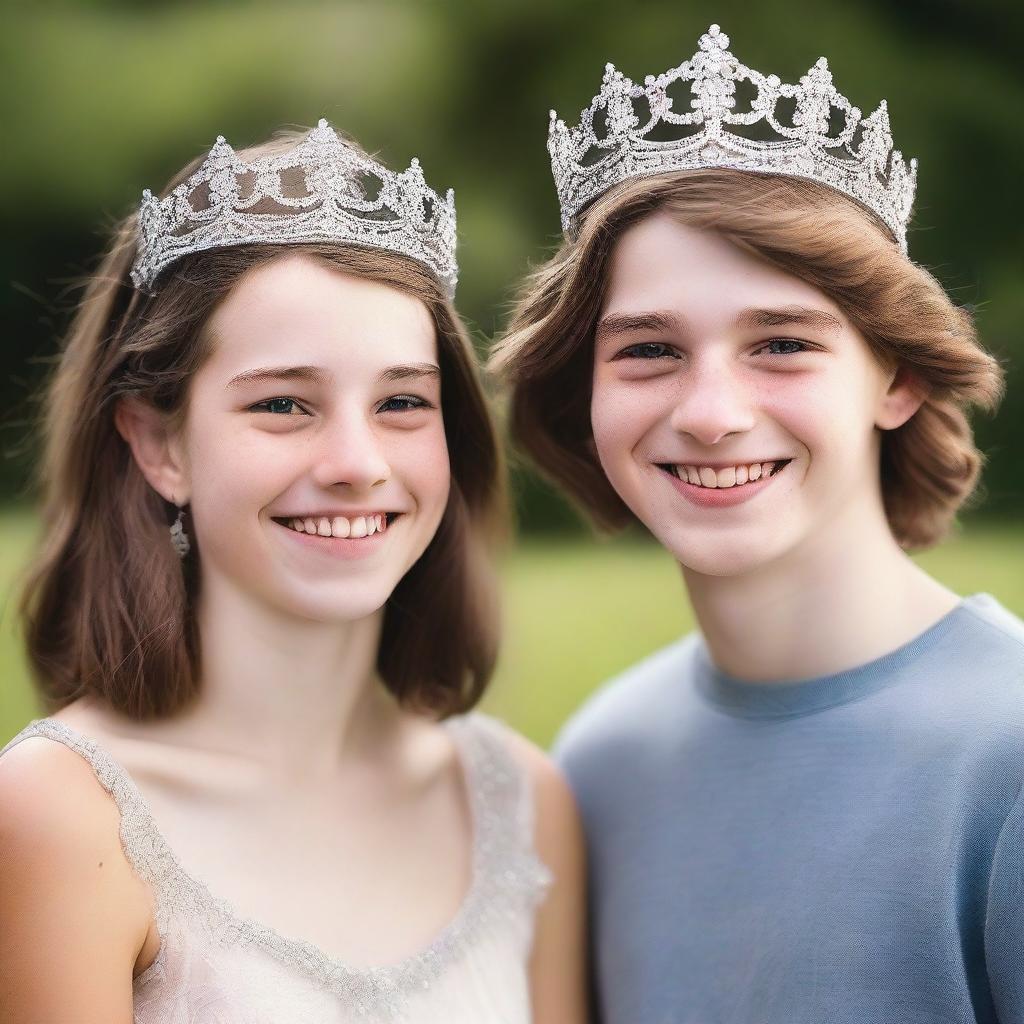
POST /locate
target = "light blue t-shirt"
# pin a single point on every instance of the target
(844, 850)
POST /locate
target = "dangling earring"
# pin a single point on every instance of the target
(179, 538)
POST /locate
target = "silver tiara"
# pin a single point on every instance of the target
(322, 190)
(858, 160)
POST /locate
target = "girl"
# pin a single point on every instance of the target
(259, 796)
(811, 810)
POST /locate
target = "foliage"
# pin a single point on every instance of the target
(103, 98)
(576, 613)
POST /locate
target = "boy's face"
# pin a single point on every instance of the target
(735, 408)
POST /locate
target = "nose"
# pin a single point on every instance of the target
(713, 403)
(350, 453)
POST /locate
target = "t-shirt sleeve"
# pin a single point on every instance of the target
(1004, 919)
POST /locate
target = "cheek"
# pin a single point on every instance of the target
(422, 461)
(832, 417)
(622, 413)
(232, 468)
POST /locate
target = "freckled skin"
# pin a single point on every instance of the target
(721, 398)
(334, 447)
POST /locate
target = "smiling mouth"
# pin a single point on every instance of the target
(340, 527)
(728, 477)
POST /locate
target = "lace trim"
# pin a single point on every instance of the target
(508, 878)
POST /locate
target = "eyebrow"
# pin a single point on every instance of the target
(625, 323)
(788, 316)
(313, 374)
(318, 375)
(410, 371)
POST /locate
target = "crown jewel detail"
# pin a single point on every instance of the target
(869, 170)
(322, 190)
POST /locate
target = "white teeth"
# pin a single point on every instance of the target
(729, 476)
(341, 527)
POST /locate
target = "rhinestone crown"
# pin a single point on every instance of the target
(322, 190)
(858, 160)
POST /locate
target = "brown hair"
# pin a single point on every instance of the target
(929, 466)
(108, 606)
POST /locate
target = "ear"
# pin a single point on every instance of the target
(156, 450)
(903, 397)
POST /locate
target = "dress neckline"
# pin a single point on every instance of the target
(490, 781)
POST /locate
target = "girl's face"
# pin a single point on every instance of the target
(315, 450)
(735, 408)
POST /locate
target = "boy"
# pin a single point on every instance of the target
(809, 811)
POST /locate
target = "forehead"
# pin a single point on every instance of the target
(298, 310)
(662, 264)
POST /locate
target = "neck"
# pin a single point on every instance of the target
(840, 600)
(297, 695)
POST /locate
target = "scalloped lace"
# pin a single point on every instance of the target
(217, 966)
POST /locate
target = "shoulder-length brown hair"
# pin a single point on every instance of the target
(929, 466)
(108, 605)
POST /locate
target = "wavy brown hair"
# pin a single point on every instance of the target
(929, 466)
(108, 606)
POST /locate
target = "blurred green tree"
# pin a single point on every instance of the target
(102, 98)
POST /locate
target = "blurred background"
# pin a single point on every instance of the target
(103, 98)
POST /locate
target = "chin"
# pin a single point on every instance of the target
(721, 555)
(360, 601)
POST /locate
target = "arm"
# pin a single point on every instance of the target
(1004, 921)
(73, 915)
(558, 960)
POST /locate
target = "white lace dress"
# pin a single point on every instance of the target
(216, 966)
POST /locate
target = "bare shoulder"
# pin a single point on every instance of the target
(557, 830)
(48, 792)
(558, 990)
(65, 882)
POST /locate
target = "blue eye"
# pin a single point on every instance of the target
(791, 346)
(404, 403)
(275, 405)
(648, 350)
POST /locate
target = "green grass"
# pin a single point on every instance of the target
(577, 612)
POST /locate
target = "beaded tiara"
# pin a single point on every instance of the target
(826, 139)
(322, 190)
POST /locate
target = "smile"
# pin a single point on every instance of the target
(341, 527)
(726, 476)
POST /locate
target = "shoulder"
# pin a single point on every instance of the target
(972, 709)
(547, 806)
(47, 791)
(558, 957)
(628, 711)
(57, 821)
(65, 878)
(978, 671)
(554, 805)
(547, 794)
(996, 627)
